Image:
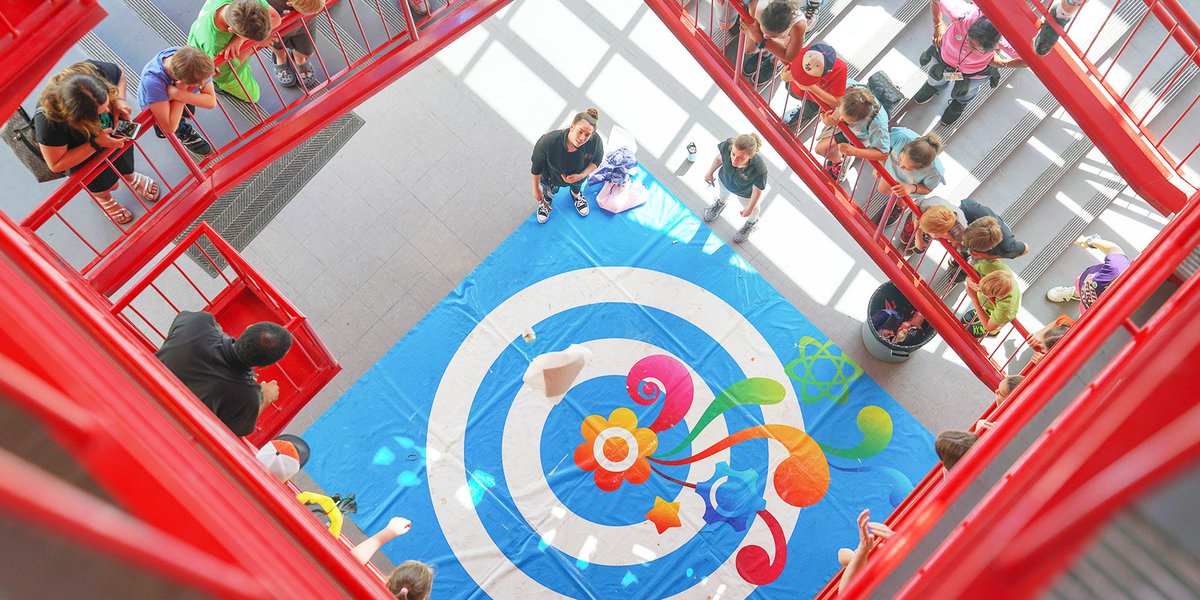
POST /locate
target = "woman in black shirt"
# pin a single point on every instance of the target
(76, 117)
(565, 157)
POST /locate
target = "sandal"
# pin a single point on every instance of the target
(119, 214)
(307, 76)
(284, 75)
(834, 169)
(145, 188)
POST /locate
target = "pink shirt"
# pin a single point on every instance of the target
(956, 51)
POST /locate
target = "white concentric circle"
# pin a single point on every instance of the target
(569, 532)
(631, 449)
(460, 382)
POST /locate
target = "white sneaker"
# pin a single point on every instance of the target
(1062, 293)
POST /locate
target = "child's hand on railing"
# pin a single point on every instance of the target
(753, 31)
(904, 189)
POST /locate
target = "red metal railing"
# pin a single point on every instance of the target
(922, 510)
(360, 65)
(913, 278)
(1147, 149)
(1134, 426)
(34, 35)
(49, 504)
(112, 407)
(238, 299)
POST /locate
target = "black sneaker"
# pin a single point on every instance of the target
(192, 140)
(1046, 36)
(543, 211)
(953, 111)
(925, 94)
(581, 203)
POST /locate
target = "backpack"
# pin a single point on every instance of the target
(885, 91)
(19, 135)
(761, 63)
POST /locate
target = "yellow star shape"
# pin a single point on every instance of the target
(664, 515)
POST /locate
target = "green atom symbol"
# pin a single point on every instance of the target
(825, 374)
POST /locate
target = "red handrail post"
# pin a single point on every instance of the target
(1132, 155)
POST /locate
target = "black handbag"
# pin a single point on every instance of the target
(19, 135)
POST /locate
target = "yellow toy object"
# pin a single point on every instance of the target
(329, 506)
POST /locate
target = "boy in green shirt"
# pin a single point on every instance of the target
(234, 30)
(996, 297)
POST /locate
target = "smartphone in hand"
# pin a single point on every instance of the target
(127, 129)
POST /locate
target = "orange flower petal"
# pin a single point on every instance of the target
(623, 418)
(592, 426)
(584, 457)
(639, 472)
(607, 481)
(647, 441)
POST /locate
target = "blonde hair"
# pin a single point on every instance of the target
(191, 65)
(937, 220)
(74, 97)
(748, 142)
(411, 580)
(924, 149)
(982, 234)
(308, 7)
(858, 104)
(997, 284)
(249, 19)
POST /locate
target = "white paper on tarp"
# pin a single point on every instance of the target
(553, 373)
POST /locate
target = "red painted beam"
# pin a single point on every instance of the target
(42, 501)
(1133, 156)
(162, 457)
(172, 219)
(34, 38)
(1134, 426)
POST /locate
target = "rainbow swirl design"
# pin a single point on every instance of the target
(616, 450)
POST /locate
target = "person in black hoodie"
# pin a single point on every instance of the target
(565, 157)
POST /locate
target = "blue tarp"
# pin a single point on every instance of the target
(716, 444)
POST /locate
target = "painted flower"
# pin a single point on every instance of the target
(615, 449)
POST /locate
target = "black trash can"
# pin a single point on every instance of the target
(889, 296)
